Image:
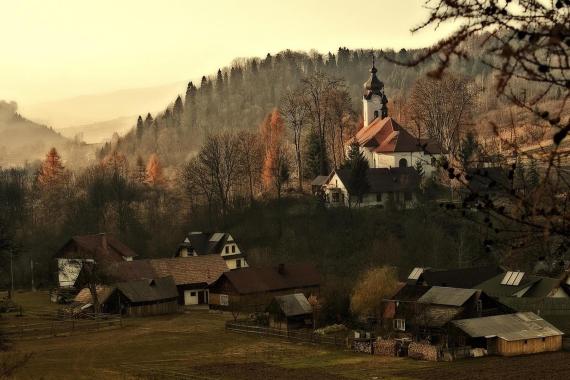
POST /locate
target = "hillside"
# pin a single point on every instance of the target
(23, 141)
(99, 132)
(239, 97)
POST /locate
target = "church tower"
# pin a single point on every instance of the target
(374, 100)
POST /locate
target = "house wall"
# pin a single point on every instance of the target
(529, 346)
(67, 271)
(392, 160)
(148, 309)
(369, 106)
(252, 301)
(232, 263)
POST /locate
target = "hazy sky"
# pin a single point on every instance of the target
(60, 48)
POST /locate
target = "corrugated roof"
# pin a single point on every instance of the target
(509, 327)
(263, 279)
(293, 304)
(439, 295)
(149, 290)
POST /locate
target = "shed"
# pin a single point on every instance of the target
(148, 297)
(291, 311)
(511, 334)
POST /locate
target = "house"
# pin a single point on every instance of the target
(192, 275)
(510, 334)
(466, 278)
(100, 248)
(396, 185)
(521, 284)
(385, 143)
(217, 243)
(254, 288)
(290, 312)
(430, 314)
(318, 184)
(134, 298)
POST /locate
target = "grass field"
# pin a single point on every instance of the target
(196, 346)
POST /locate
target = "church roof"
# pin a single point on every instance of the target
(387, 136)
(384, 180)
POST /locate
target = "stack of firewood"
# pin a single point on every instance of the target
(364, 346)
(385, 347)
(422, 351)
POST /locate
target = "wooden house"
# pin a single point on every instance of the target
(254, 288)
(510, 334)
(104, 249)
(134, 298)
(521, 284)
(290, 312)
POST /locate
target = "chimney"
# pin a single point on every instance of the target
(281, 269)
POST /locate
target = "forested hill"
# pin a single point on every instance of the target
(239, 96)
(23, 141)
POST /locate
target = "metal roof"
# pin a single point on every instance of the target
(509, 327)
(439, 295)
(294, 304)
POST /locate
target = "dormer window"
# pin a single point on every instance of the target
(233, 249)
(227, 249)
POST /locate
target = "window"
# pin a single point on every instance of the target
(403, 163)
(399, 324)
(224, 300)
(227, 249)
(192, 294)
(375, 114)
(238, 263)
(335, 197)
(378, 197)
(233, 249)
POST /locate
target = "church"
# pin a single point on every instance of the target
(384, 142)
(393, 155)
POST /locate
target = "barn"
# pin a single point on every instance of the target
(134, 298)
(511, 334)
(290, 312)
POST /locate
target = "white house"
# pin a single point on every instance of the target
(396, 185)
(384, 142)
(217, 243)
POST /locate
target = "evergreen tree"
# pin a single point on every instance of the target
(140, 127)
(148, 121)
(358, 166)
(420, 169)
(314, 151)
(177, 112)
(219, 83)
(190, 99)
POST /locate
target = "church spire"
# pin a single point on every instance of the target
(374, 98)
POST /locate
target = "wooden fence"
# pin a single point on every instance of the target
(61, 327)
(305, 336)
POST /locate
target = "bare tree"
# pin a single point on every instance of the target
(443, 108)
(295, 113)
(251, 154)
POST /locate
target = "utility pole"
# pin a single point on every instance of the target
(32, 271)
(11, 274)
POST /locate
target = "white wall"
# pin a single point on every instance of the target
(369, 106)
(392, 160)
(68, 271)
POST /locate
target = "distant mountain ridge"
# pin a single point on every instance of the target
(24, 141)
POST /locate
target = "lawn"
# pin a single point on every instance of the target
(195, 345)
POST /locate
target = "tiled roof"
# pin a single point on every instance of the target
(264, 279)
(387, 136)
(184, 270)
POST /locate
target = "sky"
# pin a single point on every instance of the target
(54, 49)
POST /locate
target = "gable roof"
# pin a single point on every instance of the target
(96, 246)
(205, 243)
(149, 290)
(265, 279)
(537, 286)
(292, 305)
(410, 292)
(103, 293)
(319, 180)
(384, 180)
(459, 278)
(184, 270)
(387, 136)
(445, 296)
(509, 327)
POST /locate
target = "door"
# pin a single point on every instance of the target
(190, 297)
(201, 297)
